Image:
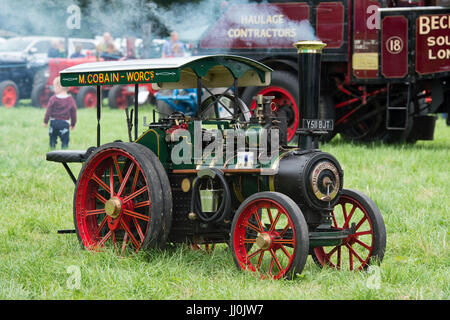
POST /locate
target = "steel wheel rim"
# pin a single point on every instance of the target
(356, 250)
(282, 98)
(9, 97)
(97, 192)
(265, 239)
(90, 100)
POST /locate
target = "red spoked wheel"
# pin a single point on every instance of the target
(284, 87)
(366, 246)
(284, 103)
(118, 200)
(270, 236)
(9, 94)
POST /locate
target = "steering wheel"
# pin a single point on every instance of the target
(221, 107)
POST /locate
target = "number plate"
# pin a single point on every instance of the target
(318, 124)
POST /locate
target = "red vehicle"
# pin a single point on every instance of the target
(85, 97)
(122, 96)
(385, 70)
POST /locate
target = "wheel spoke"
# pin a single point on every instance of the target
(329, 254)
(139, 230)
(136, 176)
(334, 220)
(116, 165)
(100, 197)
(252, 226)
(362, 233)
(360, 223)
(285, 252)
(95, 212)
(102, 224)
(284, 241)
(135, 194)
(132, 238)
(101, 183)
(258, 221)
(350, 256)
(288, 226)
(124, 181)
(273, 225)
(142, 204)
(136, 215)
(103, 240)
(350, 248)
(249, 240)
(277, 262)
(261, 255)
(124, 243)
(114, 239)
(111, 181)
(362, 244)
(250, 256)
(349, 217)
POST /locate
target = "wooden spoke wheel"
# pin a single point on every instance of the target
(118, 200)
(270, 236)
(366, 246)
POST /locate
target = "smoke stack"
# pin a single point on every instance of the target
(309, 63)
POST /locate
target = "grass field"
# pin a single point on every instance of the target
(410, 184)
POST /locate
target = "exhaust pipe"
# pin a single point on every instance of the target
(310, 127)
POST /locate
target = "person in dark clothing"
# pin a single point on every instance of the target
(77, 53)
(61, 108)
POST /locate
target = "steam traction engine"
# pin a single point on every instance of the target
(166, 186)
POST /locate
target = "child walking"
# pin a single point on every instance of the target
(61, 108)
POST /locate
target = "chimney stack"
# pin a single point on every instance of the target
(309, 68)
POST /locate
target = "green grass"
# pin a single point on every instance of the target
(409, 183)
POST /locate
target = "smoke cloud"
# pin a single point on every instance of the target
(143, 18)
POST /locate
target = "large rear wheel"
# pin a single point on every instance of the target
(118, 200)
(285, 90)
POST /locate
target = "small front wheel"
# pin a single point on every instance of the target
(269, 236)
(366, 246)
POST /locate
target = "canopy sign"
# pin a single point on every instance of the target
(119, 77)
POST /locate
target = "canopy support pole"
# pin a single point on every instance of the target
(99, 108)
(136, 106)
(235, 94)
(199, 92)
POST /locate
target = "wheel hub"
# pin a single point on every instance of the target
(113, 207)
(263, 241)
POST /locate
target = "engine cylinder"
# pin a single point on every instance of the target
(312, 178)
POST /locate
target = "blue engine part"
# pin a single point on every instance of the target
(183, 100)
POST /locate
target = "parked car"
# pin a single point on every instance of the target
(24, 62)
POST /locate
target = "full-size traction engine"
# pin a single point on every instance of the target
(223, 177)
